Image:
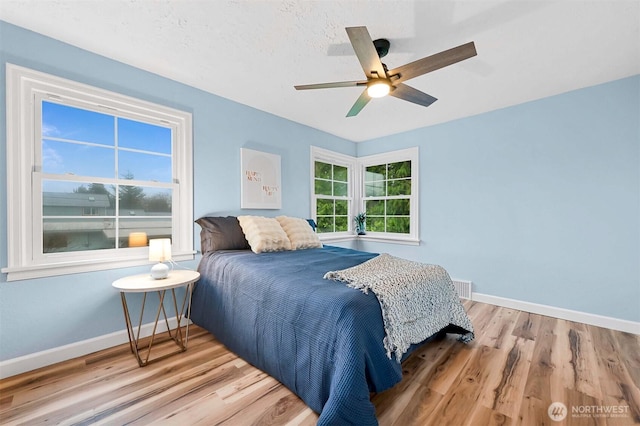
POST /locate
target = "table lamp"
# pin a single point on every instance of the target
(159, 251)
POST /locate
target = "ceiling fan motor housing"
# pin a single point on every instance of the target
(382, 46)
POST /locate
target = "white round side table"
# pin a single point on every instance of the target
(143, 283)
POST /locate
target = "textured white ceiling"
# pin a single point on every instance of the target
(253, 52)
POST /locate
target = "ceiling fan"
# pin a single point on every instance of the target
(382, 81)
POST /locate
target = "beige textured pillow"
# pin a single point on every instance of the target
(300, 233)
(264, 234)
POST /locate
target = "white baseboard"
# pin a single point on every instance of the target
(33, 361)
(561, 313)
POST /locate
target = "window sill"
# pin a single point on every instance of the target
(337, 238)
(66, 268)
(372, 238)
(389, 239)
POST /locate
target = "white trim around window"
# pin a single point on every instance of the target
(25, 258)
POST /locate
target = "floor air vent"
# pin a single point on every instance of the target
(463, 288)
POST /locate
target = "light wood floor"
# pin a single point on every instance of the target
(518, 365)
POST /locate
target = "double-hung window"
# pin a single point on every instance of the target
(332, 189)
(92, 176)
(389, 194)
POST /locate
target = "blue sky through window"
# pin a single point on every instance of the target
(144, 136)
(81, 130)
(61, 121)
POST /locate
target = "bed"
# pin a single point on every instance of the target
(320, 338)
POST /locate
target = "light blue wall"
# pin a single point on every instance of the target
(45, 313)
(539, 202)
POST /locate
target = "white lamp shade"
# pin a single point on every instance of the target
(160, 249)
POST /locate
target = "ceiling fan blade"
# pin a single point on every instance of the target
(408, 93)
(366, 52)
(360, 103)
(433, 62)
(331, 85)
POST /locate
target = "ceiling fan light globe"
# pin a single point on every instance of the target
(378, 89)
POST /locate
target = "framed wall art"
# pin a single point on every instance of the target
(261, 180)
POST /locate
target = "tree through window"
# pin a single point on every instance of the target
(388, 197)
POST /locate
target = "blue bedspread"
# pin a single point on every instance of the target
(320, 338)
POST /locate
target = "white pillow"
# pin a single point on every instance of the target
(300, 233)
(264, 234)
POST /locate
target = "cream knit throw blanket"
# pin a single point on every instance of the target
(417, 300)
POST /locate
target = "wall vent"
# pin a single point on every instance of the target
(463, 288)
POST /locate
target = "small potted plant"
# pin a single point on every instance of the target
(360, 220)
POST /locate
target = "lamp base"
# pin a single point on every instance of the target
(159, 271)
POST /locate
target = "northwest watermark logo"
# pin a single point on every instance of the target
(557, 411)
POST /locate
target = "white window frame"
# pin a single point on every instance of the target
(409, 154)
(24, 196)
(331, 157)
